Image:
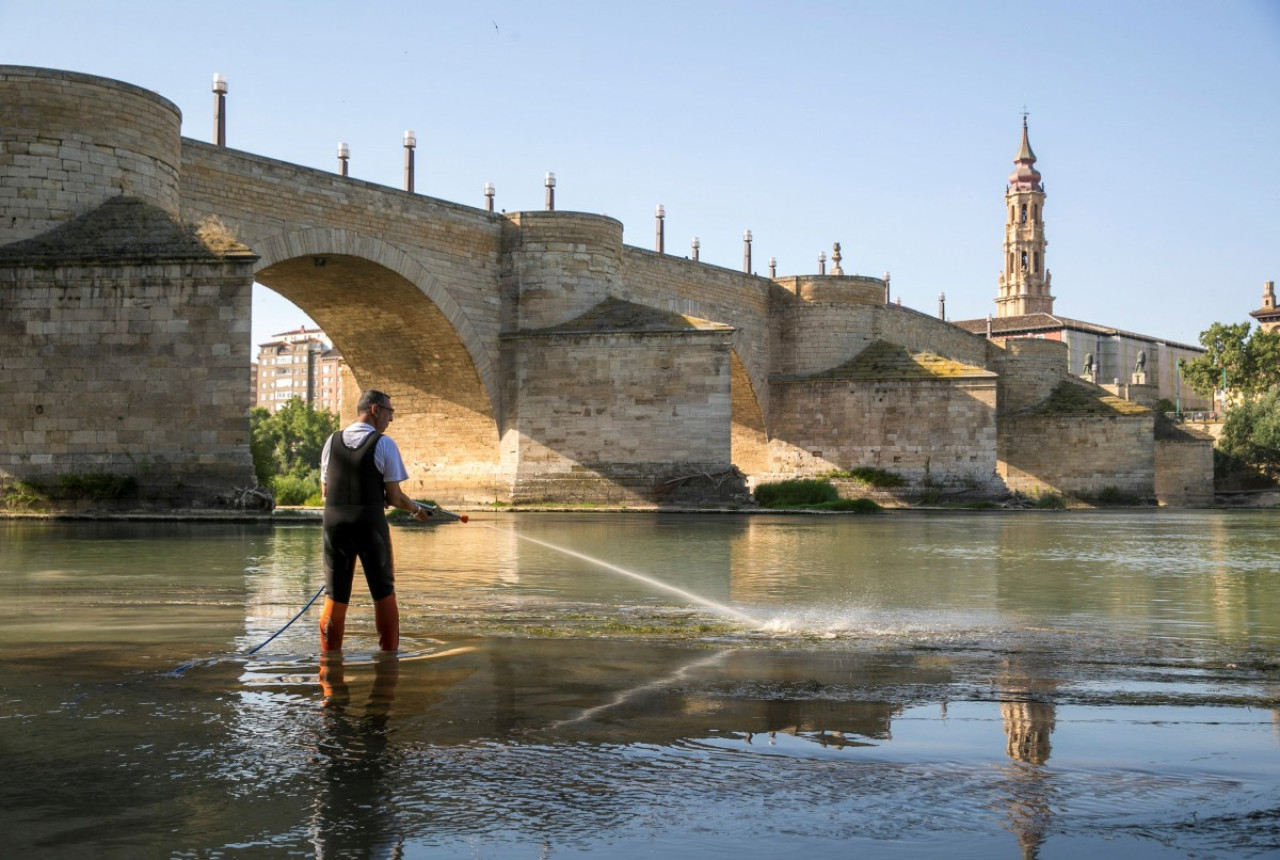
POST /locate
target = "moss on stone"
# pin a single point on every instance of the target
(1073, 398)
(884, 360)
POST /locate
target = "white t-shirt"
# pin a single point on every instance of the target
(386, 456)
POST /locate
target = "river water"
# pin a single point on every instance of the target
(985, 685)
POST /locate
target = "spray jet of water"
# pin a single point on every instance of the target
(719, 608)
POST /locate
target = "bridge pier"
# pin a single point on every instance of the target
(123, 331)
(645, 420)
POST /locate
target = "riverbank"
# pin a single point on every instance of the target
(1235, 500)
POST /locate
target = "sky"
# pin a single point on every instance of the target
(887, 126)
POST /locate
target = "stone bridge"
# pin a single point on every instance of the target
(532, 357)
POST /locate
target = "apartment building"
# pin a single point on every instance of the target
(299, 363)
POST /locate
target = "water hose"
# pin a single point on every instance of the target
(313, 599)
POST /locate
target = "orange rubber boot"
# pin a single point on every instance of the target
(386, 616)
(333, 623)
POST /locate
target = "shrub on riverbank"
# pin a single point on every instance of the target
(296, 489)
(795, 493)
(22, 496)
(810, 494)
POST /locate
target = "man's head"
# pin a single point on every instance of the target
(374, 408)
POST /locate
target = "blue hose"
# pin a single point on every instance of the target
(177, 673)
(313, 599)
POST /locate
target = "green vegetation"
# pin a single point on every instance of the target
(1113, 497)
(796, 493)
(22, 496)
(286, 450)
(1051, 502)
(76, 487)
(1251, 437)
(1234, 359)
(869, 475)
(810, 494)
(1246, 363)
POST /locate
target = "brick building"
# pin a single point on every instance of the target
(299, 363)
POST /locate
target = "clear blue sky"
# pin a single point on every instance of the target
(887, 126)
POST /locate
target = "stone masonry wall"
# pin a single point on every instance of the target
(560, 264)
(1078, 455)
(811, 336)
(452, 292)
(69, 142)
(451, 253)
(710, 293)
(1029, 370)
(945, 429)
(642, 410)
(134, 370)
(1184, 472)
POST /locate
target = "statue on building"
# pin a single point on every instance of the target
(1140, 368)
(1088, 370)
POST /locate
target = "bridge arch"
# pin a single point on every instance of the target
(400, 331)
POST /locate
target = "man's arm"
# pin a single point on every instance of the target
(324, 467)
(397, 499)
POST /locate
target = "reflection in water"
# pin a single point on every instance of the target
(354, 812)
(1029, 716)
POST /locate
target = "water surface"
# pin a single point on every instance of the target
(980, 685)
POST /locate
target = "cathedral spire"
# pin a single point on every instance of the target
(1024, 283)
(1025, 176)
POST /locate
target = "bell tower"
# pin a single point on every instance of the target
(1024, 283)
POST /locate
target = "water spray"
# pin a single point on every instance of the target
(720, 608)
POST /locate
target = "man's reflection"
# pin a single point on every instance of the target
(354, 811)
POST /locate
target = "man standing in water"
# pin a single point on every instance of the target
(360, 474)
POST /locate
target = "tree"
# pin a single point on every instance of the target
(1251, 433)
(288, 443)
(1248, 362)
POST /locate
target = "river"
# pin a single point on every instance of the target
(975, 684)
